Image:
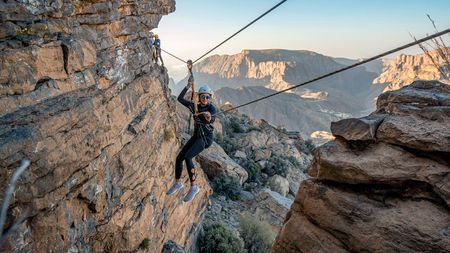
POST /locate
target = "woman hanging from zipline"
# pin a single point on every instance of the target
(204, 115)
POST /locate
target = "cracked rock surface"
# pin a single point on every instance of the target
(381, 185)
(81, 99)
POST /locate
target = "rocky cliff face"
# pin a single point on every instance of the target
(405, 69)
(383, 185)
(81, 100)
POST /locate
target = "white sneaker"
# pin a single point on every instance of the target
(175, 187)
(191, 193)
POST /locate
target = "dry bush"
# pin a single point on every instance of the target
(438, 52)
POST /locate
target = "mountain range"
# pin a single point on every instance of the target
(251, 74)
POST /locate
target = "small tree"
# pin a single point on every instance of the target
(227, 186)
(278, 165)
(257, 234)
(235, 125)
(253, 169)
(228, 144)
(218, 239)
(145, 244)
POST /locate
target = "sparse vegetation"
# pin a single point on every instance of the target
(227, 186)
(168, 135)
(253, 169)
(228, 144)
(256, 234)
(310, 144)
(254, 128)
(29, 32)
(236, 125)
(441, 57)
(278, 165)
(306, 147)
(293, 161)
(219, 239)
(145, 244)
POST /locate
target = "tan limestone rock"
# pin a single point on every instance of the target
(215, 162)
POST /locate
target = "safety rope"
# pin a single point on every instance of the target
(343, 69)
(174, 56)
(240, 30)
(234, 34)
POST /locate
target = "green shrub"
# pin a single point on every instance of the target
(277, 165)
(228, 144)
(218, 239)
(168, 135)
(227, 186)
(300, 145)
(305, 147)
(257, 235)
(254, 128)
(145, 244)
(236, 125)
(310, 144)
(253, 169)
(293, 160)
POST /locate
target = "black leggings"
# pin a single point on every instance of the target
(193, 147)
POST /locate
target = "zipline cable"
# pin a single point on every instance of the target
(344, 69)
(174, 56)
(240, 30)
(227, 39)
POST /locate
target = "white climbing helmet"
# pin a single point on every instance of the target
(205, 89)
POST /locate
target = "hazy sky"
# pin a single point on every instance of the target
(339, 28)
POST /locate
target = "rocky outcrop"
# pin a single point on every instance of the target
(215, 162)
(81, 100)
(380, 186)
(405, 69)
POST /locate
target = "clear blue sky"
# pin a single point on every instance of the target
(339, 28)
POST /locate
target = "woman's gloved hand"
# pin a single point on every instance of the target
(207, 116)
(204, 115)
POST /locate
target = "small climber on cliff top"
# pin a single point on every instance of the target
(201, 139)
(152, 45)
(157, 45)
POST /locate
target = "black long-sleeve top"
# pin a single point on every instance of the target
(200, 121)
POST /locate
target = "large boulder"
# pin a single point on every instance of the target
(379, 164)
(295, 177)
(416, 132)
(362, 129)
(382, 185)
(257, 139)
(215, 162)
(347, 221)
